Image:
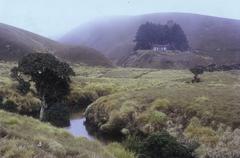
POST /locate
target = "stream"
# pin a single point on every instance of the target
(77, 127)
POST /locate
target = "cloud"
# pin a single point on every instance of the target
(55, 17)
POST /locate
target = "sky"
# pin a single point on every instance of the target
(54, 18)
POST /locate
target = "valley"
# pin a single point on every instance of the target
(124, 101)
(122, 79)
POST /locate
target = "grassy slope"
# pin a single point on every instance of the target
(25, 137)
(220, 89)
(165, 60)
(149, 100)
(203, 32)
(15, 43)
(217, 96)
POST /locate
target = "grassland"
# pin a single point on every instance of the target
(129, 100)
(25, 137)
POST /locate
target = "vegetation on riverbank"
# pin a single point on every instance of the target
(202, 116)
(25, 137)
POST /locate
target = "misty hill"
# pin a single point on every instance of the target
(15, 43)
(212, 36)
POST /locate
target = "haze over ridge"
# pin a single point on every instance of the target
(54, 18)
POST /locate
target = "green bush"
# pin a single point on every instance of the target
(157, 145)
(133, 143)
(163, 145)
(58, 115)
(10, 106)
(119, 152)
(160, 104)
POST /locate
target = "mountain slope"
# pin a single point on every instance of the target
(114, 36)
(164, 60)
(15, 43)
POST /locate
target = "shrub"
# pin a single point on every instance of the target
(157, 145)
(118, 151)
(204, 135)
(163, 145)
(197, 70)
(1, 100)
(58, 114)
(133, 143)
(10, 106)
(156, 117)
(160, 104)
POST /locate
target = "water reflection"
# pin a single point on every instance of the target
(77, 127)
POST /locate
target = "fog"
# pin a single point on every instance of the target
(53, 18)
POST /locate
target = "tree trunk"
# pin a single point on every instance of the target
(41, 117)
(42, 111)
(196, 79)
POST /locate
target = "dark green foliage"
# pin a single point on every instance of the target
(9, 106)
(58, 114)
(197, 70)
(15, 74)
(50, 76)
(23, 87)
(170, 34)
(1, 100)
(177, 38)
(162, 145)
(157, 145)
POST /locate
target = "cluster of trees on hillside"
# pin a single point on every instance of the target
(170, 34)
(198, 70)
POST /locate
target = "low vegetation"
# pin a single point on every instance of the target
(156, 145)
(198, 70)
(25, 137)
(203, 117)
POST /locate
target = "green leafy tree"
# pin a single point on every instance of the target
(177, 38)
(169, 34)
(58, 114)
(50, 76)
(197, 70)
(146, 36)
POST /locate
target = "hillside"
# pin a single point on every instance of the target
(166, 60)
(123, 100)
(25, 137)
(15, 43)
(216, 37)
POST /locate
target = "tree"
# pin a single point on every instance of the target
(169, 34)
(50, 76)
(146, 36)
(177, 38)
(58, 114)
(197, 70)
